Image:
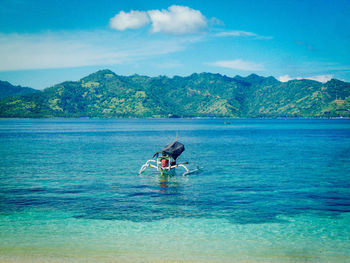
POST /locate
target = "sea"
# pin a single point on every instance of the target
(267, 190)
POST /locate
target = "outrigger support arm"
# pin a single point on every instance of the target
(147, 164)
(181, 165)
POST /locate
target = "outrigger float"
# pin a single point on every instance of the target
(165, 160)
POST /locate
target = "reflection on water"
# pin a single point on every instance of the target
(168, 183)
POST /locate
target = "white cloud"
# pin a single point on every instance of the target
(285, 78)
(319, 78)
(236, 33)
(177, 20)
(239, 33)
(238, 64)
(216, 22)
(133, 19)
(76, 49)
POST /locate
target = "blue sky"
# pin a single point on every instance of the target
(43, 43)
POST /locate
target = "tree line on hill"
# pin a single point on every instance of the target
(105, 94)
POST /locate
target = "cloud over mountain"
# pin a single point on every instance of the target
(238, 64)
(319, 78)
(77, 49)
(176, 20)
(132, 20)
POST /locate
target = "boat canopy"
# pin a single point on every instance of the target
(173, 149)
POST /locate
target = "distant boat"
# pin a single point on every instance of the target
(227, 123)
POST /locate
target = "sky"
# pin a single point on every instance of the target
(43, 43)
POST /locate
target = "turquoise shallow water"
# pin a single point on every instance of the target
(270, 191)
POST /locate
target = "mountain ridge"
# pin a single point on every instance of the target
(106, 94)
(8, 90)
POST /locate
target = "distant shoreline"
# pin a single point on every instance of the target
(165, 118)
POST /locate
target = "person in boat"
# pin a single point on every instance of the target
(173, 150)
(165, 161)
(168, 154)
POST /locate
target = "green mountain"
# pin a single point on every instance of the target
(8, 90)
(105, 94)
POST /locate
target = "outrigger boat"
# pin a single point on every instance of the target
(165, 160)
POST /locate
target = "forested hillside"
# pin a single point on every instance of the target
(8, 90)
(105, 94)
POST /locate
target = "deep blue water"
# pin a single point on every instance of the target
(256, 172)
